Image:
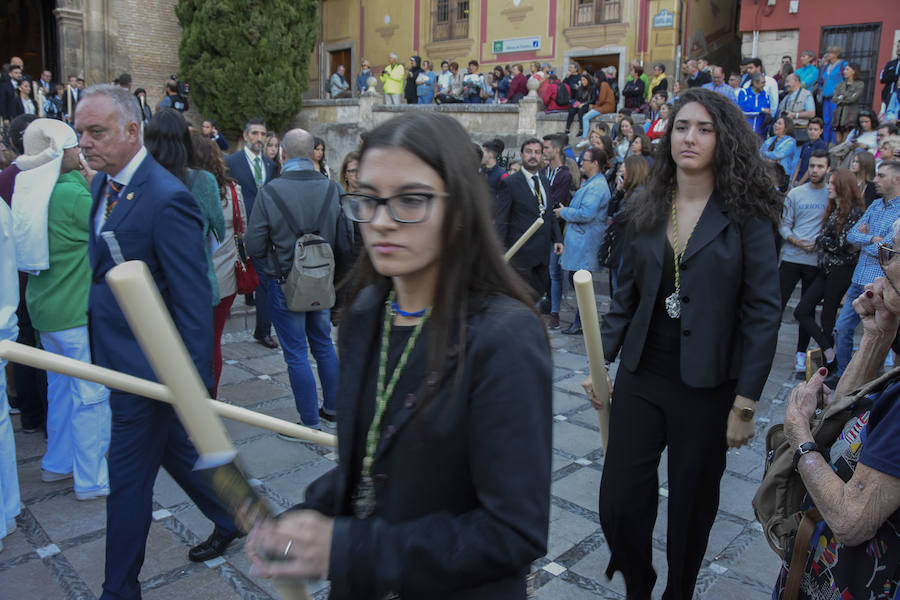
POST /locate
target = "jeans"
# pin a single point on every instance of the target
(846, 325)
(294, 330)
(78, 417)
(426, 99)
(828, 115)
(555, 283)
(586, 122)
(10, 500)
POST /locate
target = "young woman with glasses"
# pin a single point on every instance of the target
(695, 320)
(836, 260)
(444, 409)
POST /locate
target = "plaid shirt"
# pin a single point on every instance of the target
(880, 218)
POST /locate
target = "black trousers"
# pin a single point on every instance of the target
(537, 276)
(577, 112)
(830, 289)
(31, 383)
(789, 274)
(651, 412)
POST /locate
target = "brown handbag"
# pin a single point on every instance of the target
(244, 273)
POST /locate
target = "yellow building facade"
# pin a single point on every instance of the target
(596, 32)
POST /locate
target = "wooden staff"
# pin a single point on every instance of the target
(143, 112)
(41, 359)
(525, 237)
(69, 115)
(140, 301)
(590, 326)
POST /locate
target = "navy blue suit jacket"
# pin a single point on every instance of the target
(156, 220)
(240, 170)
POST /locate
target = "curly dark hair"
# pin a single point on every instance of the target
(208, 157)
(741, 177)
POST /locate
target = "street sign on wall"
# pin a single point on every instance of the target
(663, 18)
(516, 45)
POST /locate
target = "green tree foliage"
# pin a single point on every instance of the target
(247, 58)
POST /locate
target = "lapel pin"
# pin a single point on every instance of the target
(130, 196)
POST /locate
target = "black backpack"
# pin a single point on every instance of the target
(562, 94)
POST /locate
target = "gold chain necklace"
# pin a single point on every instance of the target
(673, 300)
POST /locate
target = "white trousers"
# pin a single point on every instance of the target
(10, 501)
(78, 416)
(393, 98)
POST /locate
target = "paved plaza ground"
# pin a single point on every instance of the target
(58, 549)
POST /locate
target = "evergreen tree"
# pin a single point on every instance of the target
(247, 58)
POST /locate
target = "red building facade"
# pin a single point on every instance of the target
(867, 30)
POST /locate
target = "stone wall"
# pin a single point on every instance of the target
(340, 122)
(772, 46)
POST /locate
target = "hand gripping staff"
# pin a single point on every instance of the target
(143, 307)
(590, 326)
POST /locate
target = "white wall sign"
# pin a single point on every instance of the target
(516, 45)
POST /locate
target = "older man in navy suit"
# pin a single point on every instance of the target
(252, 170)
(142, 212)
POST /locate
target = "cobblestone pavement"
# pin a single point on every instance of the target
(58, 549)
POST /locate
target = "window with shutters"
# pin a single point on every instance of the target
(449, 20)
(595, 12)
(860, 46)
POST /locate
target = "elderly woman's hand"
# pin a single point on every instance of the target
(802, 405)
(876, 318)
(296, 544)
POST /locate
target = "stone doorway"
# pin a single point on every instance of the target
(28, 29)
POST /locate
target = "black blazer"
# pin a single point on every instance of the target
(515, 210)
(730, 301)
(463, 484)
(239, 168)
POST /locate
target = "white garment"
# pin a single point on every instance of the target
(45, 141)
(10, 500)
(78, 416)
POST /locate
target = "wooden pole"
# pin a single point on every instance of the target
(590, 326)
(524, 238)
(41, 359)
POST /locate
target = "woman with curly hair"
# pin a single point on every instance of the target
(695, 319)
(836, 261)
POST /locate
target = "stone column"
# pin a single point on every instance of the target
(70, 24)
(528, 109)
(366, 103)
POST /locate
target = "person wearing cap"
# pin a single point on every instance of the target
(52, 246)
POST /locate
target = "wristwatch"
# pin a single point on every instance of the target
(805, 448)
(745, 413)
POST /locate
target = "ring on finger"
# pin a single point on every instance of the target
(287, 548)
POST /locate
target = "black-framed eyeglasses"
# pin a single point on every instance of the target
(408, 207)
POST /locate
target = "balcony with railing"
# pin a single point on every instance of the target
(587, 13)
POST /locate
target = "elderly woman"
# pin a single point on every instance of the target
(856, 485)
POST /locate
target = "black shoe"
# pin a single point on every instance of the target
(327, 417)
(544, 306)
(572, 329)
(267, 340)
(249, 300)
(214, 546)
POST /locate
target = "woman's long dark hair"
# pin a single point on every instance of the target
(168, 140)
(741, 177)
(471, 265)
(208, 157)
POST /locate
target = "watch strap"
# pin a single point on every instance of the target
(805, 448)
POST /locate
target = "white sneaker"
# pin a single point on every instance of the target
(50, 476)
(94, 495)
(800, 364)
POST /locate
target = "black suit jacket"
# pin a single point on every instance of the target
(463, 482)
(730, 301)
(516, 209)
(8, 96)
(240, 170)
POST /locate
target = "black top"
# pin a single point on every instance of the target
(833, 248)
(662, 350)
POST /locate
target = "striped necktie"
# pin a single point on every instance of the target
(112, 197)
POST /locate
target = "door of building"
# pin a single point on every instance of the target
(860, 45)
(340, 57)
(28, 30)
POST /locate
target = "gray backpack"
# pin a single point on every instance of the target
(309, 283)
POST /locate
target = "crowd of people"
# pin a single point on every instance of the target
(705, 212)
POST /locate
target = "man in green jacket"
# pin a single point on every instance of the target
(78, 414)
(393, 78)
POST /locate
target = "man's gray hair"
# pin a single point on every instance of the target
(793, 76)
(393, 55)
(126, 104)
(297, 143)
(757, 77)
